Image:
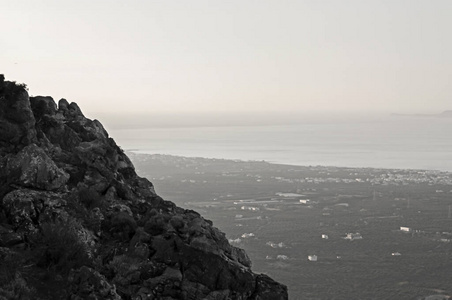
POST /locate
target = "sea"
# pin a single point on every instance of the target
(393, 142)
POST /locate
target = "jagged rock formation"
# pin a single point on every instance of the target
(76, 222)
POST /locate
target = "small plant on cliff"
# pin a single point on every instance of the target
(22, 86)
(16, 288)
(79, 206)
(62, 246)
(123, 226)
(12, 283)
(13, 88)
(156, 224)
(90, 198)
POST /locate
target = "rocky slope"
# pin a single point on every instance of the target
(76, 222)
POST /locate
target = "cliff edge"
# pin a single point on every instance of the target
(76, 222)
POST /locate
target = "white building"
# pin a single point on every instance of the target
(406, 229)
(324, 236)
(312, 257)
(289, 195)
(247, 235)
(282, 257)
(353, 236)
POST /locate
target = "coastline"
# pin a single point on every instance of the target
(390, 143)
(318, 166)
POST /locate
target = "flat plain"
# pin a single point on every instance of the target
(369, 233)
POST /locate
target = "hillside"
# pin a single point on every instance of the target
(77, 222)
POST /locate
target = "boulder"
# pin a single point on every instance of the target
(21, 211)
(33, 168)
(9, 238)
(26, 209)
(43, 106)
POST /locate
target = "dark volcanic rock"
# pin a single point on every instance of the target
(79, 222)
(31, 167)
(87, 283)
(17, 123)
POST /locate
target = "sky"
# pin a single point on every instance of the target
(222, 57)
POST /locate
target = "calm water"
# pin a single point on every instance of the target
(390, 142)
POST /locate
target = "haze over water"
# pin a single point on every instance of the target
(378, 142)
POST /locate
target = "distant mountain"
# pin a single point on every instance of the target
(444, 114)
(77, 222)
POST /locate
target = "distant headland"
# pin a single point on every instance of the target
(444, 114)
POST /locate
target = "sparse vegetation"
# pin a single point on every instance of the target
(122, 226)
(11, 88)
(63, 245)
(16, 288)
(156, 225)
(90, 198)
(12, 283)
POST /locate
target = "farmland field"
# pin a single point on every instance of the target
(278, 214)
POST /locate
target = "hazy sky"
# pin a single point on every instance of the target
(227, 56)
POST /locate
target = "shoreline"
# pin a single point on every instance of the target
(393, 144)
(319, 166)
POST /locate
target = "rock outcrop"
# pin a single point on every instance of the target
(76, 222)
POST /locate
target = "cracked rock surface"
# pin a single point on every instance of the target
(76, 222)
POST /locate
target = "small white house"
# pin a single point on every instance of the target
(324, 236)
(247, 235)
(282, 257)
(396, 254)
(312, 257)
(406, 229)
(290, 195)
(353, 236)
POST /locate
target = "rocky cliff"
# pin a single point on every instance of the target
(76, 222)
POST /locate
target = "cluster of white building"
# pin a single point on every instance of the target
(398, 177)
(276, 245)
(353, 236)
(413, 177)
